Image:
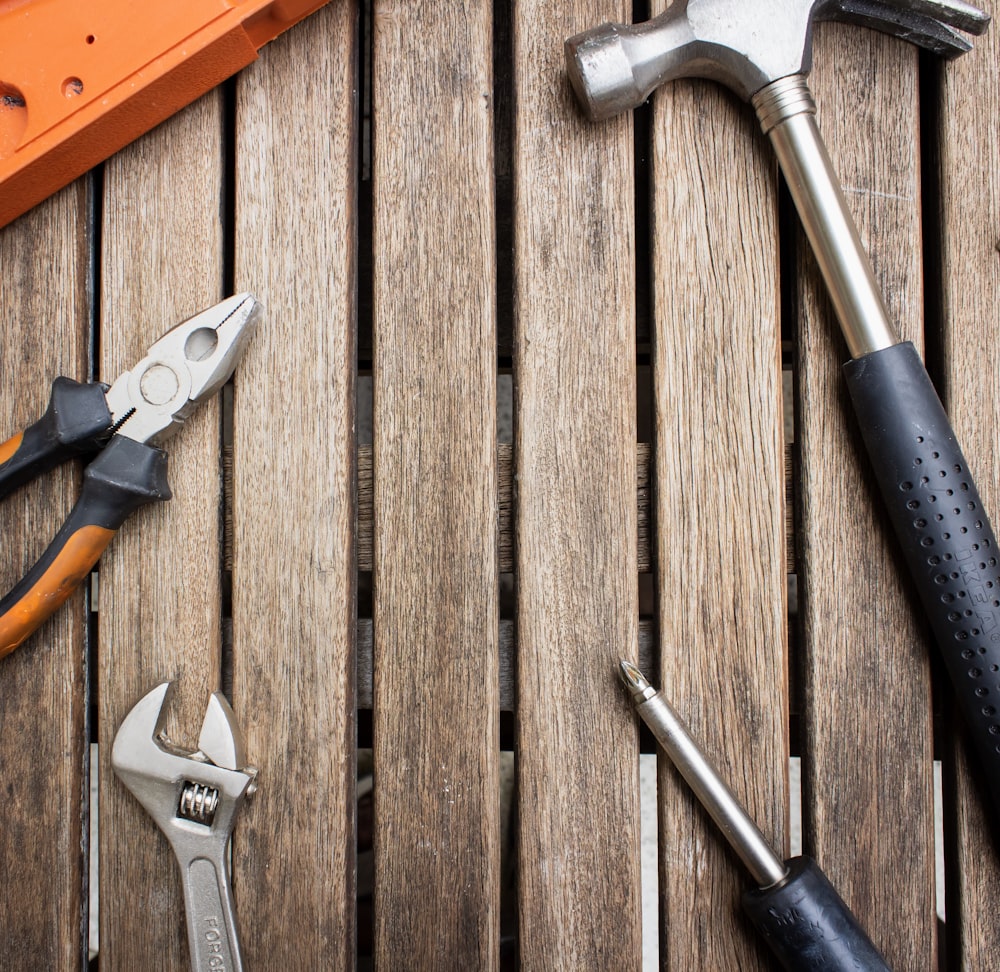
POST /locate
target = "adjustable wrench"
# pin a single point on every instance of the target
(194, 798)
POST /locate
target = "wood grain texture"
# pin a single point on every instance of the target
(160, 586)
(967, 137)
(294, 579)
(570, 509)
(867, 760)
(648, 659)
(719, 484)
(45, 310)
(435, 718)
(575, 530)
(505, 488)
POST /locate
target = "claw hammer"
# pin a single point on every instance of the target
(762, 50)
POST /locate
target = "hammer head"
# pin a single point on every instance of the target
(744, 44)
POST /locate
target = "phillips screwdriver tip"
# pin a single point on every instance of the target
(634, 680)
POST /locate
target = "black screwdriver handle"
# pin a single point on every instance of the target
(75, 423)
(807, 925)
(945, 535)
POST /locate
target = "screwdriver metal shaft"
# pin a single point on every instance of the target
(797, 911)
(672, 734)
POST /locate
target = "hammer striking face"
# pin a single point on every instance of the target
(744, 44)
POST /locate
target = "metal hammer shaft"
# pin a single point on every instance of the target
(787, 115)
(762, 50)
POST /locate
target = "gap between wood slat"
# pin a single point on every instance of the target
(508, 687)
(505, 507)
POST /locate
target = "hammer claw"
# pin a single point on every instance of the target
(954, 13)
(899, 18)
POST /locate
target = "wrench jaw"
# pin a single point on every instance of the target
(160, 776)
(221, 740)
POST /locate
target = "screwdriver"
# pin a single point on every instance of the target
(798, 912)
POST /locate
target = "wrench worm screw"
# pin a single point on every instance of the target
(198, 803)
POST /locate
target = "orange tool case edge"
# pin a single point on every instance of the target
(80, 81)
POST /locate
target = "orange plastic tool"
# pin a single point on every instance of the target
(80, 80)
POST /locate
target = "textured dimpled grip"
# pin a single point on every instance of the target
(808, 926)
(943, 529)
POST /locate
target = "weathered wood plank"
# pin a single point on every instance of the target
(294, 598)
(575, 467)
(647, 660)
(720, 488)
(968, 135)
(505, 522)
(867, 760)
(505, 486)
(160, 591)
(45, 311)
(437, 832)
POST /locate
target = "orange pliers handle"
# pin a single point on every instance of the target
(124, 475)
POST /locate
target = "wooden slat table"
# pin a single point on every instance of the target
(450, 577)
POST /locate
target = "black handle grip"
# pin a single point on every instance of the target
(126, 475)
(945, 535)
(808, 926)
(75, 423)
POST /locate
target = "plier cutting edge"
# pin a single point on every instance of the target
(121, 427)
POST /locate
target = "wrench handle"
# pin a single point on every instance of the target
(945, 534)
(211, 916)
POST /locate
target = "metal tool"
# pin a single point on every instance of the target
(121, 426)
(762, 49)
(194, 799)
(794, 907)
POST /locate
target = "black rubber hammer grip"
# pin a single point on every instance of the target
(945, 535)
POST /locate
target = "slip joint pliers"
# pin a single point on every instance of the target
(122, 427)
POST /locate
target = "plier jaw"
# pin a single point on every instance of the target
(189, 364)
